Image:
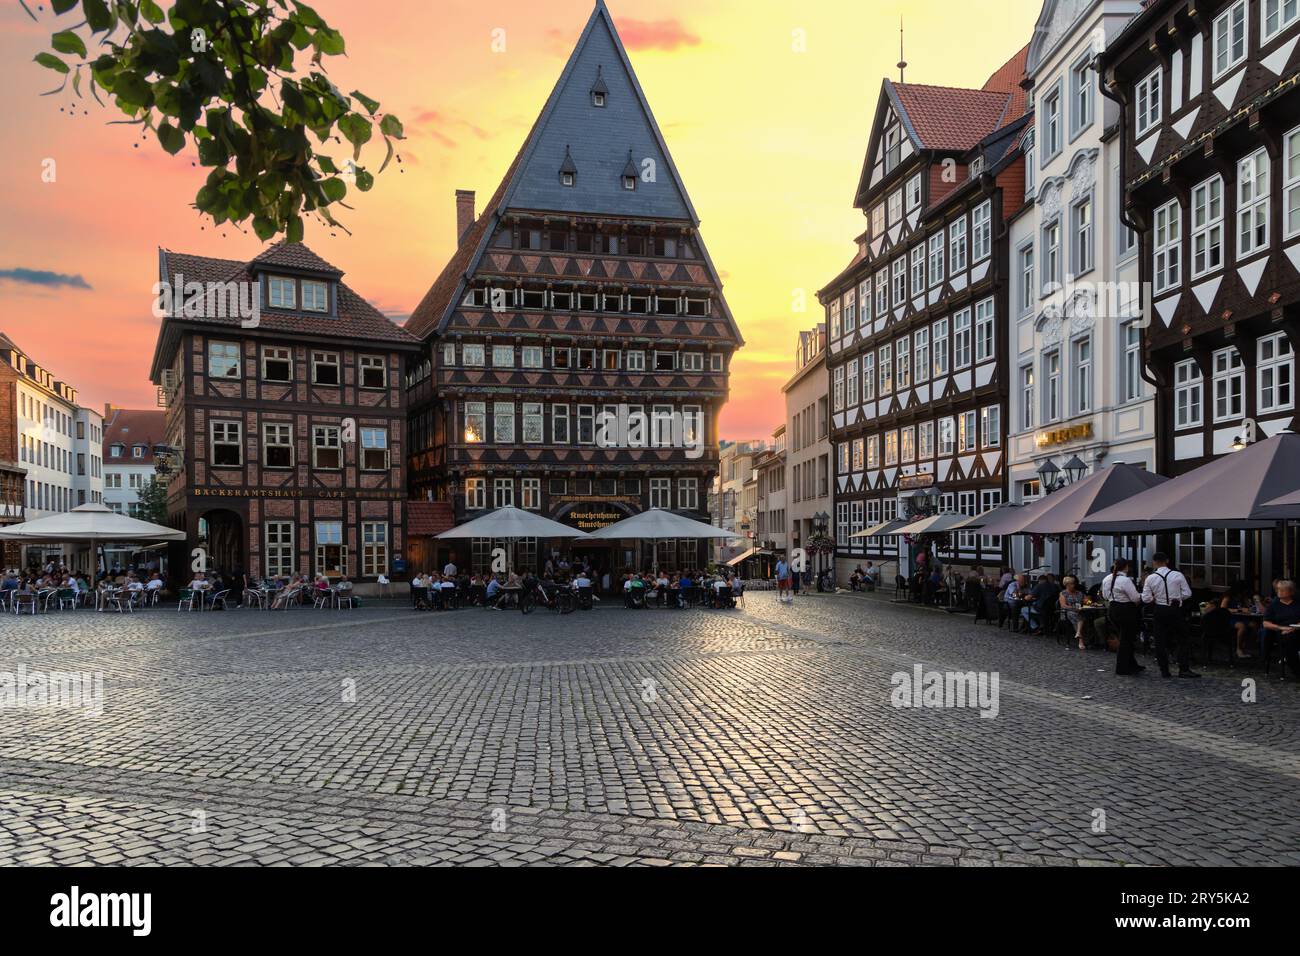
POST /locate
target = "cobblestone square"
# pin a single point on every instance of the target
(763, 736)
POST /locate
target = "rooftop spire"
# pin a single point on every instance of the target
(902, 60)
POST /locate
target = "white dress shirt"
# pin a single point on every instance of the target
(1164, 587)
(1119, 589)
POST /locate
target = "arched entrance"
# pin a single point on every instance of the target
(221, 536)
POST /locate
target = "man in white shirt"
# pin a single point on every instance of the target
(1167, 590)
(450, 570)
(1123, 610)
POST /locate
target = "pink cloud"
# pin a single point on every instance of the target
(655, 34)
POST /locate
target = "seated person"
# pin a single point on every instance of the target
(1283, 620)
(1045, 594)
(493, 592)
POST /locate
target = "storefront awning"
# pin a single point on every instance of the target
(748, 554)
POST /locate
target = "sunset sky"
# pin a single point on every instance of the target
(769, 141)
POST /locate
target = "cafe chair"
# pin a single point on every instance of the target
(186, 599)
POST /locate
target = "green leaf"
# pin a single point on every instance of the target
(390, 125)
(51, 61)
(66, 41)
(334, 189)
(264, 227)
(329, 41)
(326, 164)
(131, 89)
(63, 6)
(152, 12)
(97, 14)
(172, 139)
(357, 130)
(364, 180)
(372, 106)
(293, 229)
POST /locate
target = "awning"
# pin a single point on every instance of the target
(889, 527)
(1234, 491)
(748, 554)
(935, 524)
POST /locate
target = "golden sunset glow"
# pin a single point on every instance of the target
(765, 106)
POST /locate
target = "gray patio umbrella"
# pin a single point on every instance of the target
(1064, 511)
(1234, 491)
(1287, 506)
(996, 513)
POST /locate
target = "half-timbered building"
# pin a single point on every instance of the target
(917, 321)
(577, 345)
(285, 423)
(1211, 164)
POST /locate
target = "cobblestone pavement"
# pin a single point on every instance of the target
(756, 737)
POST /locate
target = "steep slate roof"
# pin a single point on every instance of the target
(599, 140)
(356, 318)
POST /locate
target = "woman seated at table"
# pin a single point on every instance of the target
(1071, 600)
(1242, 605)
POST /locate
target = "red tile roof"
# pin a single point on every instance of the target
(1008, 78)
(948, 118)
(133, 426)
(295, 255)
(429, 518)
(356, 317)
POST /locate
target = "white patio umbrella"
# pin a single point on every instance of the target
(935, 524)
(511, 524)
(658, 525)
(93, 524)
(892, 526)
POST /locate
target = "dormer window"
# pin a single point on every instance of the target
(116, 451)
(315, 296)
(280, 293)
(630, 173)
(977, 167)
(599, 91)
(568, 169)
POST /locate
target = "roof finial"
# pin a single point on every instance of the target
(902, 60)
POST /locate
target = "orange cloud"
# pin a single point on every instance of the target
(655, 34)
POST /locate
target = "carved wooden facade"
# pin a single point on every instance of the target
(577, 346)
(289, 434)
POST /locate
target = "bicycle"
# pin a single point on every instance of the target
(562, 600)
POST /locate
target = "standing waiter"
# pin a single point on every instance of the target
(1124, 613)
(1167, 589)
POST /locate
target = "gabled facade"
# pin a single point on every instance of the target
(286, 428)
(577, 345)
(130, 436)
(917, 322)
(1211, 166)
(1077, 386)
(807, 438)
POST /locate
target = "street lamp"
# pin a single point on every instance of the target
(1075, 469)
(1048, 476)
(821, 521)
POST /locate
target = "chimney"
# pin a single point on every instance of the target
(464, 213)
